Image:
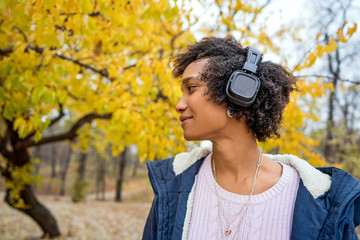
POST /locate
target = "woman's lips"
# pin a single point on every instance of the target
(184, 119)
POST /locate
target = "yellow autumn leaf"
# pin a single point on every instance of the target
(310, 59)
(332, 44)
(351, 31)
(318, 36)
(319, 51)
(19, 122)
(340, 36)
(87, 6)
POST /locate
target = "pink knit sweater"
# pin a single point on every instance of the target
(267, 216)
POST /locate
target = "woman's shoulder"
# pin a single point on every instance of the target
(315, 181)
(318, 181)
(171, 167)
(183, 161)
(343, 184)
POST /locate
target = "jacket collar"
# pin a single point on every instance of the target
(316, 182)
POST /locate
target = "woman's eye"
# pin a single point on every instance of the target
(191, 87)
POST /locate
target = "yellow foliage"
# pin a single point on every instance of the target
(319, 51)
(293, 140)
(338, 165)
(21, 176)
(94, 57)
(328, 48)
(332, 46)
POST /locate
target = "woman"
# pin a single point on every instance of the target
(234, 191)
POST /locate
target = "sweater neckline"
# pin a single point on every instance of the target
(272, 192)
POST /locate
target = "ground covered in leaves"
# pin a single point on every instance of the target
(89, 220)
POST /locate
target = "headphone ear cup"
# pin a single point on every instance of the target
(242, 88)
(243, 85)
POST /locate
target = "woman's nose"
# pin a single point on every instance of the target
(181, 106)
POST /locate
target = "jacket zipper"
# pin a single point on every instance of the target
(343, 216)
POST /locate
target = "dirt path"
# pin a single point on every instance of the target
(90, 220)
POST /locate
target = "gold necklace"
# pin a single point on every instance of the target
(257, 172)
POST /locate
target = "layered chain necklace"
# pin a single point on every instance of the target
(257, 172)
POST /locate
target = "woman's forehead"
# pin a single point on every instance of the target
(194, 69)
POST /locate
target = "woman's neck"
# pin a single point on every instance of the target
(235, 158)
(235, 154)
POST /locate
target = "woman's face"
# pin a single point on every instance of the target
(200, 118)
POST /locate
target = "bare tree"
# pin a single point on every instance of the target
(338, 69)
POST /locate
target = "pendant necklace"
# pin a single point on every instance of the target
(257, 172)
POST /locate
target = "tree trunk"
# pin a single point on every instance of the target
(53, 160)
(329, 148)
(330, 152)
(80, 184)
(82, 166)
(101, 179)
(40, 214)
(120, 178)
(135, 167)
(64, 170)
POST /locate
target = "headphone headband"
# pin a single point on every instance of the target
(252, 60)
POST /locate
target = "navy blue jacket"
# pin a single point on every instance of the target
(332, 215)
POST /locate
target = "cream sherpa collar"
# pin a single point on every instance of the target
(316, 182)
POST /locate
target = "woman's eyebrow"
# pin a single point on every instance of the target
(186, 80)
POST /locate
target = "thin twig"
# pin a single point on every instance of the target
(357, 82)
(21, 32)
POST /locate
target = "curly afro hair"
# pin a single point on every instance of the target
(225, 56)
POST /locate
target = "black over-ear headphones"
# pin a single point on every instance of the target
(243, 85)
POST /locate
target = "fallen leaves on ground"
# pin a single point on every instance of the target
(89, 220)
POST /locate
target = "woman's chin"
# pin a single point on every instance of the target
(191, 137)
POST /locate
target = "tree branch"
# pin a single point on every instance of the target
(357, 82)
(4, 151)
(36, 48)
(61, 115)
(4, 172)
(4, 139)
(73, 96)
(92, 14)
(3, 143)
(52, 122)
(71, 134)
(21, 32)
(128, 67)
(255, 15)
(6, 51)
(37, 68)
(102, 72)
